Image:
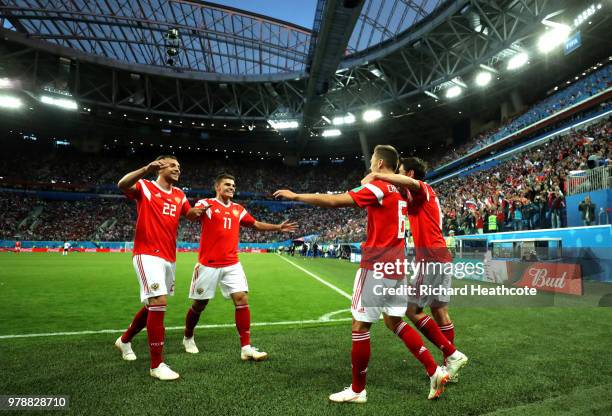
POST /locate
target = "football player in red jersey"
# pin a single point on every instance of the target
(160, 206)
(425, 216)
(384, 244)
(218, 263)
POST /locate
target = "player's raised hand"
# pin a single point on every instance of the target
(156, 166)
(199, 211)
(196, 212)
(369, 178)
(286, 194)
(288, 227)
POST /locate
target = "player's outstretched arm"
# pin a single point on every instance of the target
(318, 200)
(395, 179)
(128, 182)
(285, 226)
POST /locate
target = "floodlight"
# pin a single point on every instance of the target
(331, 133)
(370, 116)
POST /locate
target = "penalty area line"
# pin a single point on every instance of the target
(314, 276)
(322, 320)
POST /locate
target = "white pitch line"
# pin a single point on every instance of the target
(327, 316)
(314, 276)
(173, 328)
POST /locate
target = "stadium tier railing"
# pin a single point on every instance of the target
(589, 180)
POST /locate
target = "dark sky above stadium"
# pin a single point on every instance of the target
(299, 12)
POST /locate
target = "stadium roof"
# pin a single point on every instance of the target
(398, 57)
(212, 38)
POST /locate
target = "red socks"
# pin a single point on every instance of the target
(138, 323)
(360, 356)
(243, 324)
(155, 333)
(431, 330)
(191, 320)
(415, 344)
(449, 332)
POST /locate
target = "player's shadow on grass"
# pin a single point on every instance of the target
(605, 301)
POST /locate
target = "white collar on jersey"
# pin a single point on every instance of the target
(162, 189)
(229, 204)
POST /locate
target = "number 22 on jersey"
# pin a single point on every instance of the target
(169, 209)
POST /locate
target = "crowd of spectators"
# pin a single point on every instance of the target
(574, 93)
(15, 209)
(113, 219)
(72, 170)
(337, 225)
(34, 218)
(526, 191)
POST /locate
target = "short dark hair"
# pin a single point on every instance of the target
(388, 154)
(419, 166)
(224, 175)
(166, 157)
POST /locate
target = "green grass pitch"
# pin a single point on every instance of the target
(524, 360)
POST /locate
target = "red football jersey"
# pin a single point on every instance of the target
(220, 232)
(425, 218)
(386, 222)
(159, 212)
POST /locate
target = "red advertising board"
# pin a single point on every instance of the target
(553, 277)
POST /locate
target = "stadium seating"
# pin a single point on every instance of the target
(112, 219)
(67, 169)
(532, 182)
(576, 92)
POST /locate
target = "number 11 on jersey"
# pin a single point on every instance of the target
(227, 223)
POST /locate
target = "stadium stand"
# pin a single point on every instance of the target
(574, 93)
(68, 169)
(525, 191)
(112, 219)
(530, 185)
(528, 182)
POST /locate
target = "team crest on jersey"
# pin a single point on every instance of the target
(177, 199)
(155, 286)
(235, 212)
(200, 291)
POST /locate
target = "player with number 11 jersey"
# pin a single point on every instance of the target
(220, 231)
(218, 263)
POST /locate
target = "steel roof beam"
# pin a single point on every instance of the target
(337, 25)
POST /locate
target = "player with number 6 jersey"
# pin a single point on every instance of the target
(425, 218)
(218, 263)
(160, 206)
(384, 245)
